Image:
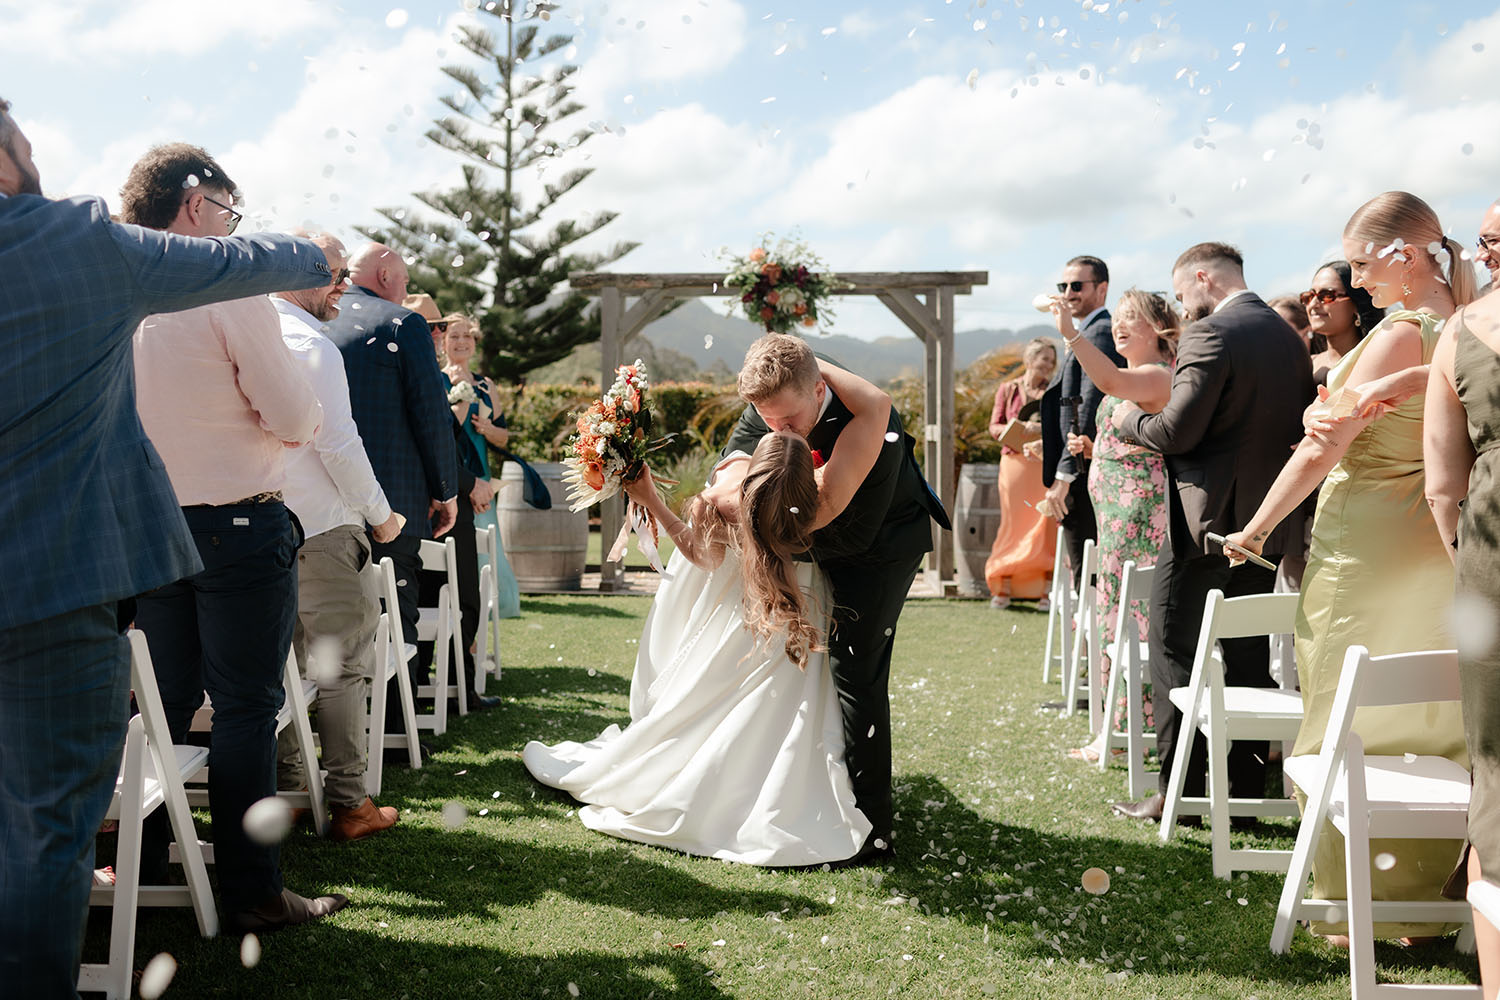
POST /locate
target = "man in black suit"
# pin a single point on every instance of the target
(1071, 404)
(1241, 383)
(870, 553)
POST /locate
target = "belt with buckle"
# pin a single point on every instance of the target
(270, 496)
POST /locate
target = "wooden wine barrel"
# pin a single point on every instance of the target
(976, 520)
(547, 549)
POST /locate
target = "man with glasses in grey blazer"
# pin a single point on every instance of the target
(90, 520)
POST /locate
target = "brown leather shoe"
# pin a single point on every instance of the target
(284, 911)
(1148, 809)
(361, 820)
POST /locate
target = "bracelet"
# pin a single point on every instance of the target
(1076, 337)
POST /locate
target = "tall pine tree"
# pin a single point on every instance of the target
(486, 250)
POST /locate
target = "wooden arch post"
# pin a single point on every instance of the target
(922, 300)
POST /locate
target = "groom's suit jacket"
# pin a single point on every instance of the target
(88, 512)
(889, 518)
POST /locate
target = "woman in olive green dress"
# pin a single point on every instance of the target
(1377, 574)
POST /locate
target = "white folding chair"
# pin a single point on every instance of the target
(1484, 896)
(1224, 714)
(1128, 656)
(487, 641)
(152, 773)
(1059, 650)
(1079, 676)
(298, 691)
(1410, 796)
(392, 653)
(442, 627)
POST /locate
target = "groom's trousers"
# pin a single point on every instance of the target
(867, 601)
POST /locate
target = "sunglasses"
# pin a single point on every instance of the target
(1489, 244)
(340, 276)
(1327, 296)
(439, 326)
(234, 215)
(1073, 286)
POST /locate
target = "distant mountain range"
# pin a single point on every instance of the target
(696, 335)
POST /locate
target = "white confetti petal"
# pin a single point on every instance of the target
(396, 18)
(392, 347)
(249, 951)
(158, 976)
(1385, 861)
(572, 989)
(268, 821)
(1473, 624)
(892, 436)
(454, 814)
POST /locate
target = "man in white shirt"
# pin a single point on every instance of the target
(332, 488)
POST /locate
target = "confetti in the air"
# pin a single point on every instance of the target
(396, 18)
(250, 951)
(268, 821)
(1473, 624)
(1385, 861)
(454, 814)
(158, 976)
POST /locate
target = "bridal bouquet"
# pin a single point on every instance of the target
(783, 287)
(611, 444)
(463, 392)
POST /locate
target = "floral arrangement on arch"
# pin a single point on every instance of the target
(612, 441)
(783, 287)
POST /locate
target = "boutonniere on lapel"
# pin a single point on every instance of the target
(818, 459)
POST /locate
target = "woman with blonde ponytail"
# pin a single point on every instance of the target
(1378, 574)
(735, 748)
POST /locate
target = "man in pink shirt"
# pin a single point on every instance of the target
(221, 398)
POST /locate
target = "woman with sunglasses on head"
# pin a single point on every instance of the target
(1339, 313)
(1127, 482)
(1378, 574)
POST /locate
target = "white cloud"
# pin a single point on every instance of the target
(97, 30)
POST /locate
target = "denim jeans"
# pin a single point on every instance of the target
(64, 701)
(227, 630)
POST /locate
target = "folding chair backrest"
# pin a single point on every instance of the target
(1396, 679)
(1135, 586)
(147, 694)
(438, 557)
(1251, 615)
(388, 593)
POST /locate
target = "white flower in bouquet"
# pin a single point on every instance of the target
(462, 392)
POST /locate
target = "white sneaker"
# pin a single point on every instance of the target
(999, 602)
(1044, 605)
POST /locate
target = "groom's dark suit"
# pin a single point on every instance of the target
(1242, 380)
(870, 554)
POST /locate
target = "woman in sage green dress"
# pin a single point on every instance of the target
(1377, 574)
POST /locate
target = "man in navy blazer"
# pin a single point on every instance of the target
(1083, 290)
(89, 519)
(396, 396)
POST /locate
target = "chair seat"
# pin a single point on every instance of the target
(190, 760)
(1247, 703)
(1395, 784)
(427, 624)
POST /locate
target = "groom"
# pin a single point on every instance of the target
(870, 554)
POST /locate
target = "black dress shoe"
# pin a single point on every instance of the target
(1148, 809)
(479, 702)
(283, 911)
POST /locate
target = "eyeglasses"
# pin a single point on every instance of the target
(234, 216)
(1073, 286)
(1327, 296)
(1489, 244)
(341, 276)
(439, 326)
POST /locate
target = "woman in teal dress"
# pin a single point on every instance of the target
(1127, 483)
(484, 428)
(1374, 549)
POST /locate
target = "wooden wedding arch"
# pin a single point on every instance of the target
(923, 300)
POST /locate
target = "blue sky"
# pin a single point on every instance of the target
(1003, 136)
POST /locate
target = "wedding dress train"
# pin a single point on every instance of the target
(732, 752)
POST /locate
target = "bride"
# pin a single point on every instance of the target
(735, 747)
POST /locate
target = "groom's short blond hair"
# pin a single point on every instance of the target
(775, 362)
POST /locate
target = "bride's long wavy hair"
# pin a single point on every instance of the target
(778, 502)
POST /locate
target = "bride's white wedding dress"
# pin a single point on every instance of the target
(732, 752)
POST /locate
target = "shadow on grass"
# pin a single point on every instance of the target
(1164, 909)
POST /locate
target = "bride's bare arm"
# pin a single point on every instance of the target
(859, 442)
(702, 548)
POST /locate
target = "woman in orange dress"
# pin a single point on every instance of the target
(1020, 562)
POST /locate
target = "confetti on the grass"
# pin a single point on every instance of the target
(158, 976)
(1385, 861)
(1095, 881)
(454, 815)
(396, 18)
(268, 821)
(249, 951)
(572, 989)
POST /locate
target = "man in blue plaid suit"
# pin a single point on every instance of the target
(396, 395)
(89, 521)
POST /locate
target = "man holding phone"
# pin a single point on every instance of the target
(1242, 380)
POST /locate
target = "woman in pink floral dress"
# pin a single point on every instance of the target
(1127, 483)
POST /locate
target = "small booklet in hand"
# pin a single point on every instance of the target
(1016, 434)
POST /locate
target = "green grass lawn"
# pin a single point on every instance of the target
(994, 828)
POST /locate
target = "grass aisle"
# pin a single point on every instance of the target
(994, 829)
